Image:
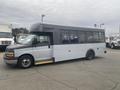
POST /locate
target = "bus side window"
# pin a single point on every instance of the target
(74, 39)
(96, 36)
(43, 40)
(65, 38)
(82, 37)
(101, 37)
(90, 38)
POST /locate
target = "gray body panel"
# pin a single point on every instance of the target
(58, 29)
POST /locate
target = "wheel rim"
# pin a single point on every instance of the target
(26, 62)
(90, 55)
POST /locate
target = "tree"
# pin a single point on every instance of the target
(17, 31)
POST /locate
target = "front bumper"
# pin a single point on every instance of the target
(10, 61)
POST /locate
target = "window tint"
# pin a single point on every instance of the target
(69, 37)
(82, 37)
(103, 36)
(73, 37)
(43, 40)
(65, 37)
(95, 36)
(89, 36)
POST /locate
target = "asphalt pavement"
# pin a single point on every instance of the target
(102, 73)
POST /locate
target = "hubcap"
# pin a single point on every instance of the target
(26, 62)
(90, 56)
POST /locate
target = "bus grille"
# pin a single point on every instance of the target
(6, 42)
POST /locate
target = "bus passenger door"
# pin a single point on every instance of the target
(43, 50)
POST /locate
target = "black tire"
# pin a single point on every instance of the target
(90, 55)
(25, 61)
(112, 46)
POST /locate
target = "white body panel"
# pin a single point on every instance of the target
(72, 51)
(42, 53)
(39, 53)
(62, 52)
(19, 52)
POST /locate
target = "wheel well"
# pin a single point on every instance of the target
(27, 55)
(91, 50)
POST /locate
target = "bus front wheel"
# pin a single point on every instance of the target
(25, 61)
(90, 55)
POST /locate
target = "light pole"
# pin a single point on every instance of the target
(42, 18)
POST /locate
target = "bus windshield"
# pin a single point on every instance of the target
(27, 40)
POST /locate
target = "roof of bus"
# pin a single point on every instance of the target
(61, 27)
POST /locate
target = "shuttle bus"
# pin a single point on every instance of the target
(48, 43)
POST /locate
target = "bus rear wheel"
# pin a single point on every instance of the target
(90, 55)
(25, 61)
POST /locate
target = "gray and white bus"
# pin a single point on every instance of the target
(48, 43)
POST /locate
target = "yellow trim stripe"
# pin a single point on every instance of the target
(43, 62)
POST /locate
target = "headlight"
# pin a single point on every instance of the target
(9, 54)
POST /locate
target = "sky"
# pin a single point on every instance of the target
(80, 13)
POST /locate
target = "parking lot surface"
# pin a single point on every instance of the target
(102, 73)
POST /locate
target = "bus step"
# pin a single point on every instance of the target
(43, 62)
